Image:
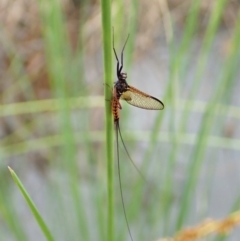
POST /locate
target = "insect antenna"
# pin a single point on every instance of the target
(120, 183)
(114, 50)
(122, 51)
(119, 68)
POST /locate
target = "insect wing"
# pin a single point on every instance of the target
(140, 99)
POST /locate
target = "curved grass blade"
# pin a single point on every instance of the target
(32, 206)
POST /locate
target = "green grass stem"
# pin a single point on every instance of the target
(107, 53)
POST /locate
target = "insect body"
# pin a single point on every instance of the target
(130, 94)
(134, 97)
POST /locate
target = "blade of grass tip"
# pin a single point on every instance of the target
(32, 206)
(107, 52)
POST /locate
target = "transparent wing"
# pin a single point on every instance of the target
(139, 99)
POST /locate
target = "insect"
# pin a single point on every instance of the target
(135, 97)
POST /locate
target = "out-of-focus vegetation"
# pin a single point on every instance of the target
(52, 118)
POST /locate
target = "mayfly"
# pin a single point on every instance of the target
(135, 97)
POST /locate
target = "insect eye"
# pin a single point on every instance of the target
(124, 75)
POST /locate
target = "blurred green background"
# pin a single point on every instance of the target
(186, 53)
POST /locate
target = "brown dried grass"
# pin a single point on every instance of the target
(208, 227)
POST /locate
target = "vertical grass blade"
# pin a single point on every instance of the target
(107, 52)
(207, 122)
(58, 51)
